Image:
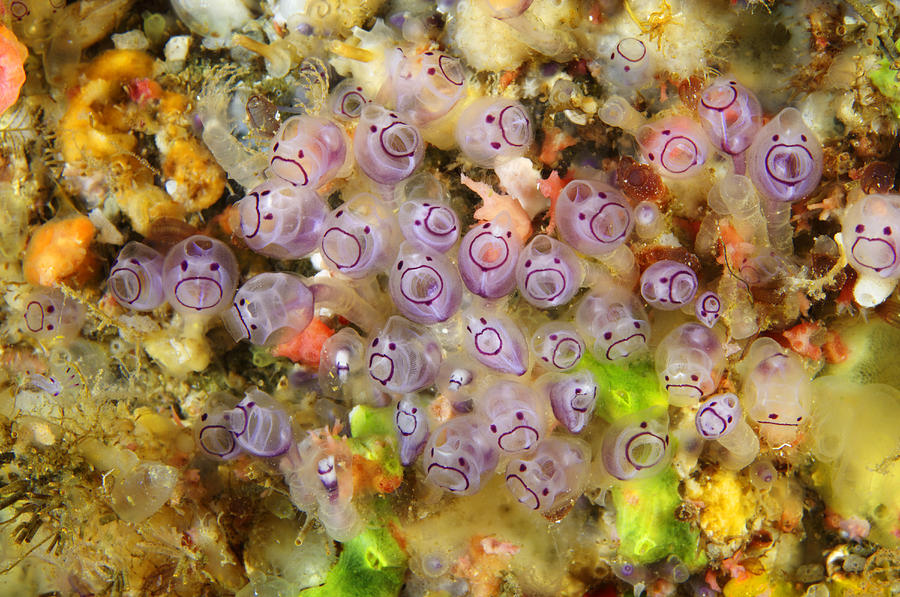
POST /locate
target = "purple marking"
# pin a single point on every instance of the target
(798, 171)
(337, 230)
(678, 139)
(199, 282)
(454, 64)
(434, 290)
(386, 147)
(523, 131)
(479, 240)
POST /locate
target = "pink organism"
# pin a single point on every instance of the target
(676, 146)
(785, 160)
(307, 151)
(871, 235)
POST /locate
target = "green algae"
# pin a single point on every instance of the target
(373, 437)
(887, 79)
(624, 389)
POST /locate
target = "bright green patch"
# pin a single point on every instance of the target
(887, 80)
(624, 389)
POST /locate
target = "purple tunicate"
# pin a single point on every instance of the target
(548, 272)
(629, 64)
(551, 476)
(637, 445)
(387, 149)
(785, 160)
(200, 275)
(49, 315)
(424, 285)
(457, 372)
(459, 455)
(215, 437)
(676, 146)
(135, 278)
(403, 357)
(496, 342)
(487, 258)
(281, 220)
(260, 425)
(689, 361)
(668, 285)
(411, 423)
(269, 308)
(557, 345)
(341, 362)
(425, 86)
(326, 471)
(593, 217)
(730, 115)
(307, 151)
(870, 234)
(360, 237)
(347, 100)
(616, 321)
(719, 416)
(708, 308)
(493, 130)
(572, 397)
(430, 223)
(513, 414)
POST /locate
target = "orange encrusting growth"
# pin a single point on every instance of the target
(12, 69)
(59, 250)
(306, 347)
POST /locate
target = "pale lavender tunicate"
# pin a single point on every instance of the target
(260, 425)
(676, 146)
(135, 278)
(708, 308)
(870, 234)
(551, 476)
(281, 220)
(513, 415)
(430, 223)
(593, 217)
(487, 258)
(730, 115)
(359, 237)
(341, 361)
(616, 321)
(387, 149)
(718, 416)
(424, 284)
(785, 160)
(403, 357)
(496, 342)
(572, 397)
(269, 308)
(630, 64)
(689, 362)
(49, 314)
(459, 455)
(347, 100)
(411, 423)
(215, 438)
(548, 273)
(426, 85)
(557, 345)
(307, 151)
(200, 276)
(493, 130)
(637, 445)
(668, 285)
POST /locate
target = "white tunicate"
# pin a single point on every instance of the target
(141, 492)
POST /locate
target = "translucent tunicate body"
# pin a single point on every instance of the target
(870, 234)
(676, 146)
(593, 217)
(359, 237)
(342, 366)
(459, 455)
(135, 278)
(572, 397)
(268, 308)
(488, 256)
(493, 130)
(260, 425)
(689, 361)
(648, 221)
(668, 285)
(50, 315)
(200, 276)
(513, 415)
(548, 272)
(281, 220)
(307, 151)
(785, 160)
(387, 148)
(214, 434)
(551, 476)
(431, 223)
(730, 115)
(403, 357)
(424, 284)
(557, 345)
(424, 85)
(347, 100)
(721, 418)
(411, 424)
(495, 341)
(629, 64)
(708, 308)
(615, 321)
(637, 445)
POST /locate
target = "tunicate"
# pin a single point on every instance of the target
(637, 445)
(260, 425)
(721, 418)
(387, 148)
(425, 285)
(135, 278)
(431, 223)
(495, 341)
(269, 308)
(676, 146)
(871, 234)
(459, 455)
(411, 423)
(493, 130)
(557, 345)
(630, 64)
(730, 115)
(403, 356)
(307, 151)
(572, 397)
(593, 217)
(548, 272)
(359, 237)
(668, 285)
(550, 476)
(616, 321)
(785, 159)
(347, 100)
(50, 315)
(708, 308)
(424, 86)
(488, 256)
(689, 361)
(200, 275)
(513, 415)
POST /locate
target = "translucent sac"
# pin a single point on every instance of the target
(424, 85)
(200, 275)
(403, 357)
(676, 146)
(721, 418)
(557, 345)
(494, 130)
(776, 389)
(307, 151)
(870, 234)
(668, 285)
(411, 423)
(487, 258)
(215, 436)
(513, 414)
(429, 223)
(593, 217)
(630, 64)
(648, 221)
(342, 363)
(347, 100)
(708, 308)
(689, 362)
(260, 425)
(50, 315)
(425, 285)
(785, 160)
(387, 149)
(637, 445)
(459, 456)
(616, 321)
(281, 220)
(730, 115)
(550, 477)
(572, 397)
(135, 278)
(548, 272)
(269, 308)
(360, 237)
(495, 341)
